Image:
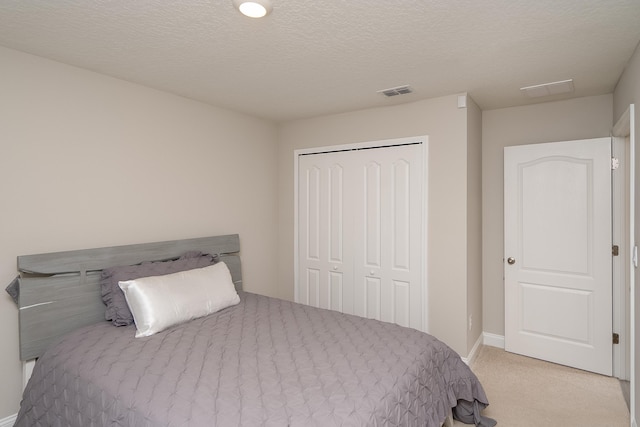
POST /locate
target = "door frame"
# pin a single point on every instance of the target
(620, 263)
(424, 143)
(625, 128)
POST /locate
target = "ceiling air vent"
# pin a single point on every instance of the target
(400, 90)
(546, 89)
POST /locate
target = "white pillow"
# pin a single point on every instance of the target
(159, 302)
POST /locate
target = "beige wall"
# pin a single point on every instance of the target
(581, 118)
(474, 223)
(90, 161)
(628, 92)
(445, 124)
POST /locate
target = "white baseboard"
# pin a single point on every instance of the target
(493, 340)
(474, 351)
(9, 421)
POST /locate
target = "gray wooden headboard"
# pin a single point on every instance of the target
(60, 292)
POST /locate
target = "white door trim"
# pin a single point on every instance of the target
(620, 263)
(424, 140)
(625, 127)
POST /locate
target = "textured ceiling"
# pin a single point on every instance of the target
(313, 57)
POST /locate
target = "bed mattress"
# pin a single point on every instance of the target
(263, 362)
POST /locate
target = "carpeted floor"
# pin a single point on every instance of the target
(525, 392)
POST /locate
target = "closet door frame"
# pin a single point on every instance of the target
(424, 142)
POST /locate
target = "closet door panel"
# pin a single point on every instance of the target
(323, 265)
(401, 301)
(387, 242)
(336, 289)
(371, 189)
(401, 215)
(312, 208)
(336, 213)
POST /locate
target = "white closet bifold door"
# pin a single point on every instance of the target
(361, 232)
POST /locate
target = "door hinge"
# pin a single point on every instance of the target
(615, 163)
(615, 250)
(616, 338)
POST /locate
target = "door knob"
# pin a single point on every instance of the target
(511, 260)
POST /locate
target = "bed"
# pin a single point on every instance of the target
(258, 361)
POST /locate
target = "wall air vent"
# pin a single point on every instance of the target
(400, 90)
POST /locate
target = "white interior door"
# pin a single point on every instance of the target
(558, 302)
(360, 232)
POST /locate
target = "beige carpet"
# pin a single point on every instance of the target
(525, 392)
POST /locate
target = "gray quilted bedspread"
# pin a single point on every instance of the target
(263, 362)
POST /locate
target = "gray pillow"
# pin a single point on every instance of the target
(117, 309)
(14, 290)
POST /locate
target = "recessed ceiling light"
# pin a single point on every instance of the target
(253, 8)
